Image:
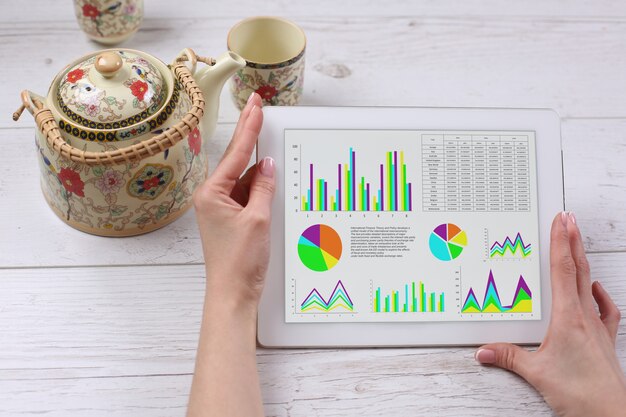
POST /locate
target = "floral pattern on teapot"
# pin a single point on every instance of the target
(108, 202)
(102, 19)
(87, 102)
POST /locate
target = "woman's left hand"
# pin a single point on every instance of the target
(233, 214)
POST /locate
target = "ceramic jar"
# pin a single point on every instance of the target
(109, 21)
(121, 139)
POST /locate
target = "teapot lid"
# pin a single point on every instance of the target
(111, 89)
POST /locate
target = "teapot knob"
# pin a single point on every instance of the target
(108, 63)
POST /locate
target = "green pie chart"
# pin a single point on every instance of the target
(319, 247)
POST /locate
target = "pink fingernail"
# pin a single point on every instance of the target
(564, 218)
(572, 218)
(251, 96)
(267, 167)
(487, 356)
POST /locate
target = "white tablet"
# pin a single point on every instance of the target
(409, 226)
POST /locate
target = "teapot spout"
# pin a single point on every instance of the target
(211, 80)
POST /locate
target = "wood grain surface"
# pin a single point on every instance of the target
(108, 327)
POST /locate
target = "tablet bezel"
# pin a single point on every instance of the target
(273, 331)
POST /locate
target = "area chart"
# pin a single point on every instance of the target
(522, 299)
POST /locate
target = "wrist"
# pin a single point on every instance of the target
(232, 297)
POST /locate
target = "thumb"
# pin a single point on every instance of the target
(504, 355)
(262, 188)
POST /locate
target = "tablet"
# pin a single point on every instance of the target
(409, 226)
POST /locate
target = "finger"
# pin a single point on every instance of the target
(562, 267)
(609, 313)
(583, 274)
(262, 189)
(506, 356)
(236, 160)
(253, 100)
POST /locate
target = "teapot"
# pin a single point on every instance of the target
(121, 137)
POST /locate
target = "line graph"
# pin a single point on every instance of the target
(514, 246)
(339, 299)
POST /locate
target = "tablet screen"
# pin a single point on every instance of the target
(411, 225)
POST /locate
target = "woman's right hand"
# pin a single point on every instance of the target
(576, 368)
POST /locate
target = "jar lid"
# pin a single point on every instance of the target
(111, 89)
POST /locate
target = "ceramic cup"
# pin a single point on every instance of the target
(274, 52)
(109, 21)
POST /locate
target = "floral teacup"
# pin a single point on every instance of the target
(274, 52)
(109, 22)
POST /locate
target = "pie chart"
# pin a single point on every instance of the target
(319, 247)
(447, 241)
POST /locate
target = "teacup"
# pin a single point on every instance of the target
(109, 21)
(274, 52)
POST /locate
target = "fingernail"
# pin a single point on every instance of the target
(572, 218)
(267, 167)
(485, 356)
(251, 96)
(564, 218)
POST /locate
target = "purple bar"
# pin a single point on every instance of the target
(382, 190)
(325, 196)
(339, 182)
(395, 179)
(311, 187)
(368, 197)
(410, 198)
(353, 180)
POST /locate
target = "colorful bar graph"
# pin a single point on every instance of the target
(412, 298)
(354, 193)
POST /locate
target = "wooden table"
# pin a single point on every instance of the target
(108, 327)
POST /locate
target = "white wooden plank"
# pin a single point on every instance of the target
(46, 10)
(594, 155)
(34, 236)
(430, 61)
(121, 340)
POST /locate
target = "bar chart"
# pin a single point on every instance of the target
(411, 298)
(391, 192)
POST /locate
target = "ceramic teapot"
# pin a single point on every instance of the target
(121, 137)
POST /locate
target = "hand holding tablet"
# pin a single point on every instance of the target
(576, 358)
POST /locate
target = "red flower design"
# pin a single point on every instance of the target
(139, 88)
(267, 92)
(195, 141)
(72, 182)
(151, 183)
(89, 10)
(75, 75)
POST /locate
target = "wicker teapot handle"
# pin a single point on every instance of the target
(166, 139)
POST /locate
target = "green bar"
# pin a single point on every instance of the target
(389, 208)
(432, 302)
(405, 192)
(349, 189)
(377, 304)
(387, 304)
(422, 298)
(441, 303)
(414, 309)
(363, 206)
(395, 301)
